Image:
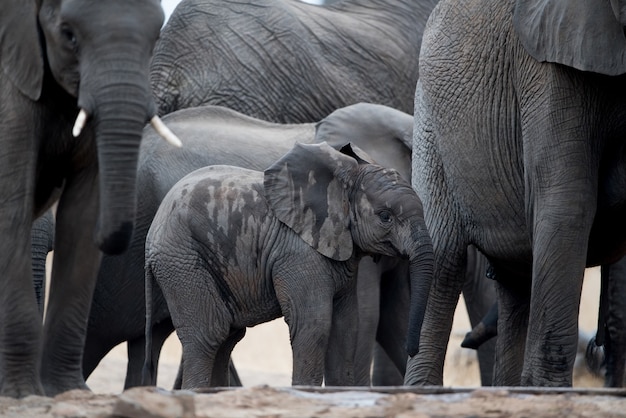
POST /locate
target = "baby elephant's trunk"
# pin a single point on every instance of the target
(421, 277)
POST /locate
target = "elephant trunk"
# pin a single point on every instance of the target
(119, 107)
(421, 277)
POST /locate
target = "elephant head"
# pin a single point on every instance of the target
(585, 35)
(99, 53)
(341, 205)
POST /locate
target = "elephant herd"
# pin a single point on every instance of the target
(353, 167)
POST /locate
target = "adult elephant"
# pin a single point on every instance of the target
(518, 150)
(288, 61)
(59, 56)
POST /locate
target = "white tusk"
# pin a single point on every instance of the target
(165, 132)
(81, 119)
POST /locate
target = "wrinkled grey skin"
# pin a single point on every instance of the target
(287, 61)
(231, 248)
(95, 56)
(210, 138)
(42, 239)
(529, 170)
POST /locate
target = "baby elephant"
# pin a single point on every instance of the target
(232, 248)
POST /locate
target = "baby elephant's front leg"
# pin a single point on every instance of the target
(341, 351)
(309, 324)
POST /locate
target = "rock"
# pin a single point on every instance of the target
(151, 402)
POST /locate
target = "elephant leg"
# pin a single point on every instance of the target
(137, 350)
(200, 348)
(21, 322)
(20, 339)
(560, 207)
(178, 382)
(616, 325)
(368, 288)
(75, 268)
(392, 329)
(480, 299)
(221, 367)
(233, 375)
(340, 353)
(486, 358)
(384, 371)
(513, 309)
(95, 350)
(426, 367)
(201, 321)
(309, 322)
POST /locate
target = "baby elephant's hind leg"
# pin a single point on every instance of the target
(200, 348)
(221, 372)
(200, 324)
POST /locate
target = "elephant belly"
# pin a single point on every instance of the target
(254, 301)
(491, 206)
(255, 314)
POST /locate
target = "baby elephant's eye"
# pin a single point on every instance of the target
(385, 216)
(68, 36)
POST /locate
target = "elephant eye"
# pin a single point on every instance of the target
(385, 216)
(69, 36)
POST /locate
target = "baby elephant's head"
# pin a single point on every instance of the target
(339, 203)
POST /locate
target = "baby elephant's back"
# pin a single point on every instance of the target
(216, 205)
(209, 236)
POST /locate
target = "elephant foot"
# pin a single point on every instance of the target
(419, 374)
(595, 358)
(21, 390)
(54, 387)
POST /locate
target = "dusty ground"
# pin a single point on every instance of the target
(263, 359)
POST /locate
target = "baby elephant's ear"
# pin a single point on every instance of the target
(308, 191)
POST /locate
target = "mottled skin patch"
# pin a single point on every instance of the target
(225, 215)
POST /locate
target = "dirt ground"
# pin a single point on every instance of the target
(263, 359)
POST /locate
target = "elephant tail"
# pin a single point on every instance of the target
(147, 376)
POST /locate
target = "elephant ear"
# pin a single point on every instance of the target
(308, 191)
(582, 34)
(21, 55)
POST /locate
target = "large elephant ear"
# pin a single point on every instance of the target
(21, 55)
(584, 34)
(308, 191)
